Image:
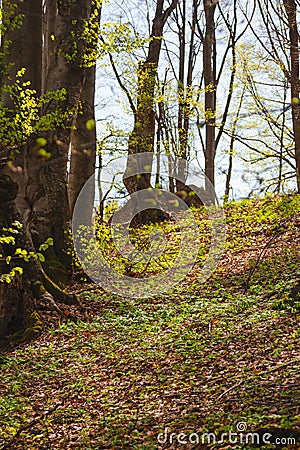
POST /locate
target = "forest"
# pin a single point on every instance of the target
(149, 224)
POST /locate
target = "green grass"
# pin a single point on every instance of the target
(201, 358)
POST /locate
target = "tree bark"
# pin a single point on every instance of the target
(42, 197)
(49, 213)
(14, 296)
(21, 48)
(49, 26)
(84, 136)
(210, 90)
(17, 297)
(83, 147)
(291, 11)
(22, 45)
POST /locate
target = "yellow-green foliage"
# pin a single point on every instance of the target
(8, 237)
(140, 238)
(91, 35)
(119, 37)
(25, 119)
(10, 19)
(250, 222)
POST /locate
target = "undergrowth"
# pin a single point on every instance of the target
(202, 358)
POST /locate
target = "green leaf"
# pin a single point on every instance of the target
(50, 241)
(42, 142)
(41, 257)
(42, 152)
(90, 125)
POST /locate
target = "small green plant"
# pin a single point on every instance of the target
(8, 238)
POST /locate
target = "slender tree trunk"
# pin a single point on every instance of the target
(182, 134)
(210, 90)
(280, 171)
(291, 11)
(231, 149)
(181, 82)
(184, 92)
(142, 136)
(159, 139)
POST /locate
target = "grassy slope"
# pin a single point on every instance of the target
(204, 357)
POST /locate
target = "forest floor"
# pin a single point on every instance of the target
(218, 357)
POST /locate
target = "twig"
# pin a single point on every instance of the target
(230, 389)
(33, 422)
(274, 369)
(270, 294)
(263, 251)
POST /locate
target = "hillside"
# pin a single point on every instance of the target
(206, 358)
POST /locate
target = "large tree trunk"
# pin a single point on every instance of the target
(47, 196)
(42, 181)
(17, 296)
(21, 47)
(291, 11)
(210, 90)
(84, 136)
(142, 136)
(49, 27)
